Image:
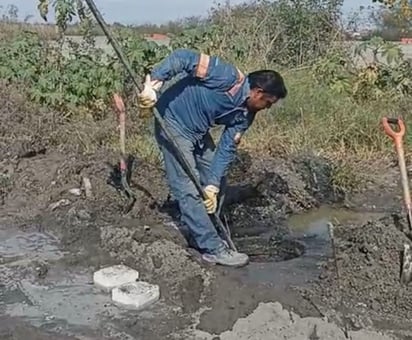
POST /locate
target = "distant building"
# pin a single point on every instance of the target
(161, 39)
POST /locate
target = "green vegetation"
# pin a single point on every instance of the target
(337, 93)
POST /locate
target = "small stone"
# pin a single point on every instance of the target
(41, 270)
(87, 187)
(83, 214)
(61, 203)
(75, 191)
(50, 317)
(375, 306)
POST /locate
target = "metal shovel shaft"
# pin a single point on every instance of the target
(185, 164)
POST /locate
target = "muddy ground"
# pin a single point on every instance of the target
(54, 238)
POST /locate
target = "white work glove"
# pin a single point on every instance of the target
(211, 201)
(148, 97)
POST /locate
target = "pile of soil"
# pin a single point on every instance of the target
(265, 192)
(159, 253)
(369, 259)
(269, 319)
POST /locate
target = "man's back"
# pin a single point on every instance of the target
(194, 108)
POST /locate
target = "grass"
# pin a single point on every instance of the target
(316, 119)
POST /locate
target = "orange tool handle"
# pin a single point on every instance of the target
(396, 136)
(118, 101)
(121, 111)
(398, 140)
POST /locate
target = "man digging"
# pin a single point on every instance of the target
(210, 92)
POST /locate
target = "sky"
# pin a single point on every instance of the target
(149, 11)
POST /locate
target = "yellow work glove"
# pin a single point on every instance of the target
(211, 201)
(148, 97)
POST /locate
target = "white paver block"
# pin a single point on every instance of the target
(136, 295)
(114, 276)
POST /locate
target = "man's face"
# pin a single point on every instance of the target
(259, 100)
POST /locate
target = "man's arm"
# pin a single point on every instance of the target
(226, 151)
(213, 71)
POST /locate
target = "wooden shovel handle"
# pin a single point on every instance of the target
(398, 141)
(395, 135)
(121, 112)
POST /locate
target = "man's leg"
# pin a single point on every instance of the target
(193, 211)
(204, 153)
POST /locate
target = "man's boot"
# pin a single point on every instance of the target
(227, 257)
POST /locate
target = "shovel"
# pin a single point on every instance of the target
(121, 113)
(397, 138)
(184, 163)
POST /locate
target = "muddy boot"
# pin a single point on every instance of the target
(227, 257)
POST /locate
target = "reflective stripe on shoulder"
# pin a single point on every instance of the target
(235, 88)
(203, 65)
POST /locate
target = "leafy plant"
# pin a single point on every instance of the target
(286, 32)
(379, 69)
(404, 5)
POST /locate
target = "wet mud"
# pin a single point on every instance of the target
(364, 287)
(55, 235)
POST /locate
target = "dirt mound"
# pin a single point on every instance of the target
(43, 156)
(158, 253)
(270, 321)
(369, 264)
(277, 187)
(264, 192)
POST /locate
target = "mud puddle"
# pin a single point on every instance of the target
(28, 245)
(295, 259)
(39, 289)
(282, 262)
(316, 220)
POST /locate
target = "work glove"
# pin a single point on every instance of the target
(211, 198)
(148, 97)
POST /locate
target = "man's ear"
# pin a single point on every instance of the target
(260, 92)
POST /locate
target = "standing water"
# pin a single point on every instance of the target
(307, 246)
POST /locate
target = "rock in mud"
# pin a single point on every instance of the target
(136, 295)
(369, 262)
(114, 276)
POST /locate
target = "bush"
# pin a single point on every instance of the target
(337, 94)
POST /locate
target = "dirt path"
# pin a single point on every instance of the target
(53, 238)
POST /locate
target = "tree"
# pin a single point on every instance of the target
(403, 5)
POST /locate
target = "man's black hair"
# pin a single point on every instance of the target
(269, 81)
